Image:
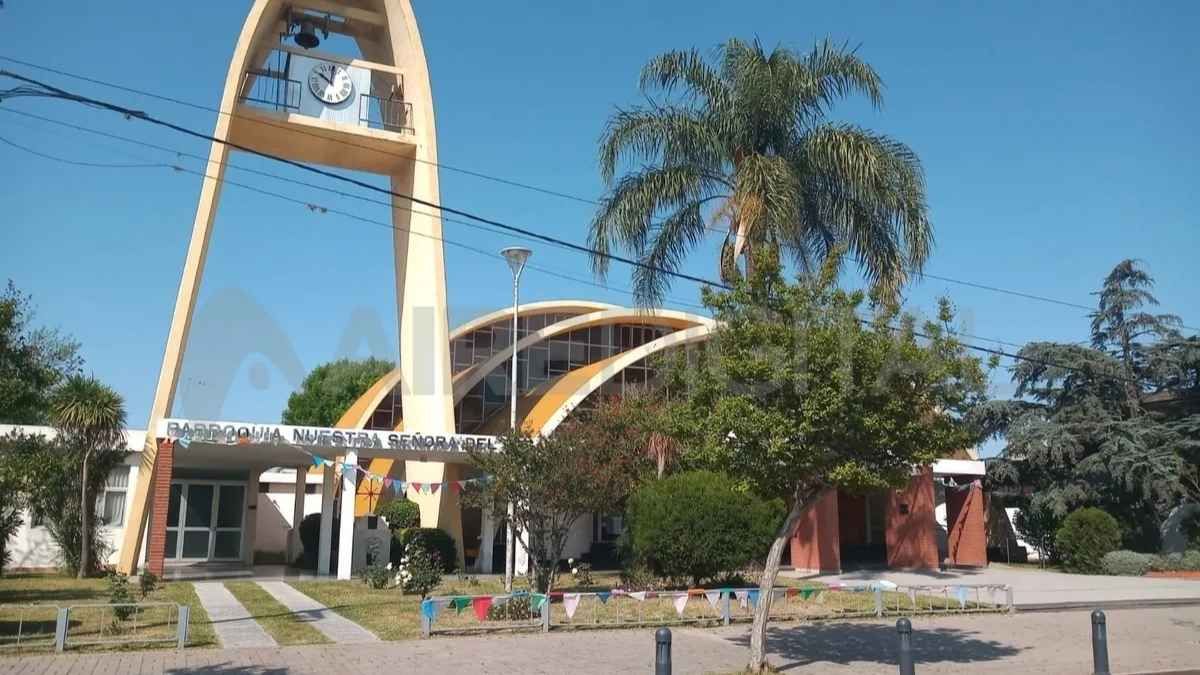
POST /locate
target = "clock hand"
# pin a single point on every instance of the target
(326, 77)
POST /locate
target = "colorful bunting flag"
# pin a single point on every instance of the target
(603, 597)
(318, 461)
(681, 603)
(713, 597)
(416, 486)
(792, 592)
(536, 601)
(806, 593)
(741, 598)
(429, 609)
(456, 486)
(570, 602)
(349, 468)
(460, 603)
(960, 592)
(433, 487)
(638, 595)
(912, 596)
(481, 605)
(753, 597)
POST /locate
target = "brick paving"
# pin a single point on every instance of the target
(1140, 640)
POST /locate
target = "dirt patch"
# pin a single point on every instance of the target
(1175, 575)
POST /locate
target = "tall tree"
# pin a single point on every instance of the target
(796, 393)
(1114, 424)
(90, 419)
(331, 388)
(33, 361)
(742, 144)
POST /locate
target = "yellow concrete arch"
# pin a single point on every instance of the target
(530, 309)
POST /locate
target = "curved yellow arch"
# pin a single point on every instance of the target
(530, 309)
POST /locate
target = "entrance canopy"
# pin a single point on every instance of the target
(287, 445)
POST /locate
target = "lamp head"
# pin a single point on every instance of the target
(516, 257)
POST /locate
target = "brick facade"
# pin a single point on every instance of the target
(156, 543)
(814, 545)
(911, 537)
(966, 518)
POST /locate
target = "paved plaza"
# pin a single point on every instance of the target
(1141, 641)
(1040, 589)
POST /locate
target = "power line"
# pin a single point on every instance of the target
(498, 179)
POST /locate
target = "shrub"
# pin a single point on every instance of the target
(119, 596)
(1038, 524)
(147, 582)
(1176, 562)
(697, 525)
(1126, 563)
(400, 514)
(1085, 536)
(419, 571)
(439, 544)
(310, 536)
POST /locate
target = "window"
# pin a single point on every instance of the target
(110, 504)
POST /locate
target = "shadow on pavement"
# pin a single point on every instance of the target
(846, 643)
(226, 669)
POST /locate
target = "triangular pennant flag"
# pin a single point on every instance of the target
(791, 592)
(318, 461)
(960, 592)
(681, 603)
(777, 593)
(433, 488)
(416, 486)
(456, 486)
(912, 596)
(638, 595)
(570, 602)
(713, 597)
(460, 603)
(603, 597)
(387, 482)
(741, 598)
(348, 468)
(537, 601)
(806, 593)
(753, 597)
(481, 605)
(429, 609)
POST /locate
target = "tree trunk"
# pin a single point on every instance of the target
(758, 631)
(85, 544)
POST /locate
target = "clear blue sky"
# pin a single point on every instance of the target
(1056, 142)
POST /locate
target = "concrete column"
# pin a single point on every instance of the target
(487, 538)
(326, 539)
(250, 517)
(295, 546)
(346, 534)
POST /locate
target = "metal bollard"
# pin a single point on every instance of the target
(904, 628)
(662, 651)
(61, 625)
(1099, 644)
(181, 626)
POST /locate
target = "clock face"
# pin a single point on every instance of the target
(330, 82)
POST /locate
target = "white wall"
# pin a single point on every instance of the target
(274, 512)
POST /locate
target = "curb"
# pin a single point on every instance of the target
(1108, 604)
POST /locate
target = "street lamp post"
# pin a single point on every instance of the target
(516, 257)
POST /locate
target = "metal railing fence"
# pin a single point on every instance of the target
(35, 627)
(486, 613)
(270, 89)
(389, 114)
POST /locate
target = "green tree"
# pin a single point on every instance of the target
(330, 389)
(90, 420)
(1114, 424)
(33, 361)
(742, 144)
(795, 393)
(588, 465)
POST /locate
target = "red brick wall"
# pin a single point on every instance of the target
(911, 538)
(814, 544)
(966, 514)
(160, 498)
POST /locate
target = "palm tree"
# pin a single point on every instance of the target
(90, 419)
(743, 146)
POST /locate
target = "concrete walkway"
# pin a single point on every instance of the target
(1040, 589)
(1140, 641)
(335, 626)
(230, 620)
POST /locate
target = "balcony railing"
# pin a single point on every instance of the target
(389, 114)
(270, 89)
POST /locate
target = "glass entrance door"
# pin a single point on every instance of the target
(204, 520)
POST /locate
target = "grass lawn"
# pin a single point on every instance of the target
(287, 627)
(29, 604)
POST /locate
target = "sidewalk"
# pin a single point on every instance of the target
(1040, 589)
(1140, 640)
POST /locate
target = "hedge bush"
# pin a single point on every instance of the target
(400, 514)
(1176, 562)
(435, 541)
(698, 525)
(1126, 563)
(1084, 538)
